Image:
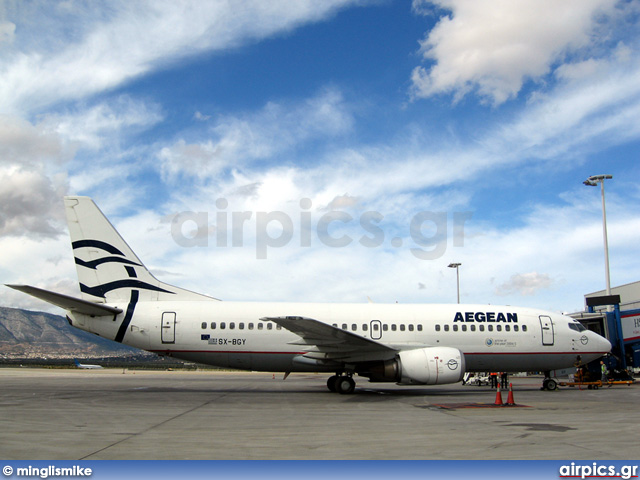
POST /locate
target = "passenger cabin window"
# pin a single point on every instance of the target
(394, 327)
(204, 325)
(455, 328)
(213, 325)
(353, 327)
(269, 326)
(515, 328)
(364, 327)
(481, 328)
(437, 328)
(446, 328)
(524, 328)
(419, 328)
(473, 328)
(385, 327)
(498, 328)
(260, 326)
(411, 328)
(464, 328)
(223, 325)
(344, 326)
(490, 328)
(232, 325)
(402, 327)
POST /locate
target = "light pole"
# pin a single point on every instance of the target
(593, 181)
(456, 265)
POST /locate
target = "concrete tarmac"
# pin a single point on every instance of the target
(108, 414)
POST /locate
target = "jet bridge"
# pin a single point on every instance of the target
(621, 328)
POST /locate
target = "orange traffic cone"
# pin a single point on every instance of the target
(510, 400)
(498, 397)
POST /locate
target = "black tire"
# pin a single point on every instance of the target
(551, 384)
(331, 383)
(345, 385)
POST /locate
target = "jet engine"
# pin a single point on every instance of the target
(422, 366)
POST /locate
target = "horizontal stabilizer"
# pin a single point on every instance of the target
(68, 303)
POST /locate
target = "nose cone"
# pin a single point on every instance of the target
(594, 346)
(602, 344)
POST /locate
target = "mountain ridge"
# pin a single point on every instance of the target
(26, 333)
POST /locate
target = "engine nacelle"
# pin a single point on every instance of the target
(431, 366)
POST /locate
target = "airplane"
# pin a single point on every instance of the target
(86, 365)
(421, 344)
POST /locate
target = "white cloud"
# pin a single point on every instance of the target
(24, 143)
(525, 284)
(7, 32)
(30, 203)
(494, 46)
(593, 108)
(239, 140)
(342, 202)
(94, 127)
(201, 116)
(114, 42)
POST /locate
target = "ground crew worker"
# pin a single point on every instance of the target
(603, 371)
(504, 380)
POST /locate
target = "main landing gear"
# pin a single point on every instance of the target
(341, 383)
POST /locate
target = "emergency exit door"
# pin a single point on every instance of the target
(376, 329)
(547, 330)
(168, 329)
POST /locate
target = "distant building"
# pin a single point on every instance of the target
(629, 296)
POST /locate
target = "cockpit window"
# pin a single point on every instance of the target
(578, 327)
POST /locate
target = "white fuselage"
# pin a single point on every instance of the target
(231, 334)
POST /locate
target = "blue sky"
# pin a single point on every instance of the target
(367, 144)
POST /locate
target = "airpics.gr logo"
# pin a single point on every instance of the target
(428, 232)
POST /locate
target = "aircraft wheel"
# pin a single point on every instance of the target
(331, 383)
(551, 384)
(345, 385)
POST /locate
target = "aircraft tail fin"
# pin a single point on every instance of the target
(108, 269)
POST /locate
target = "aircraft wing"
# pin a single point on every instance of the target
(325, 342)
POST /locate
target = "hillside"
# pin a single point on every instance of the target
(30, 334)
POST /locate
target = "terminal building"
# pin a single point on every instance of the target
(616, 317)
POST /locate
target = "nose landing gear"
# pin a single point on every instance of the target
(549, 383)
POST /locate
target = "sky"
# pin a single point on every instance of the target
(334, 151)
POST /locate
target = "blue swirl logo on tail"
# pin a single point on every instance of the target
(128, 281)
(103, 289)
